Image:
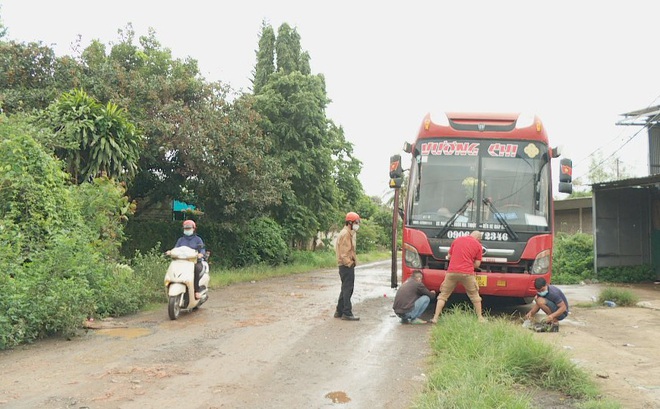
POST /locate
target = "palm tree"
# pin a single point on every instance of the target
(93, 139)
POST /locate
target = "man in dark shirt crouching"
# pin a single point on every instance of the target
(412, 299)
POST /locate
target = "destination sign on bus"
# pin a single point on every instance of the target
(461, 148)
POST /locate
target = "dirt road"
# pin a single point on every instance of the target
(275, 344)
(268, 344)
(620, 347)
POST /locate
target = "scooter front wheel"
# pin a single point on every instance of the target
(174, 306)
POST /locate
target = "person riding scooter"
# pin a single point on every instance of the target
(192, 240)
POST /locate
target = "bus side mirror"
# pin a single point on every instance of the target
(396, 172)
(566, 176)
(556, 151)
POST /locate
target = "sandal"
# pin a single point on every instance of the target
(417, 321)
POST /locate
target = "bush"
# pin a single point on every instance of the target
(382, 222)
(261, 242)
(57, 245)
(573, 258)
(143, 235)
(150, 271)
(49, 295)
(367, 237)
(573, 262)
(119, 292)
(627, 274)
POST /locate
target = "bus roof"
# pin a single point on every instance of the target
(482, 125)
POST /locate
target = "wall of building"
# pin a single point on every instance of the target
(574, 216)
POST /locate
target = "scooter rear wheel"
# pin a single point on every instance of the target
(174, 306)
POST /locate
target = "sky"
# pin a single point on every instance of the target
(578, 65)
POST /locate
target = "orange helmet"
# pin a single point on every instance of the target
(189, 223)
(352, 217)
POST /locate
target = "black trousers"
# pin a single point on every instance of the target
(198, 272)
(347, 275)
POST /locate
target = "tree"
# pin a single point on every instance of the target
(228, 162)
(347, 169)
(313, 151)
(293, 107)
(94, 140)
(27, 76)
(265, 58)
(203, 144)
(606, 170)
(3, 29)
(287, 47)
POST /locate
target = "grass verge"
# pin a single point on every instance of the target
(499, 365)
(303, 262)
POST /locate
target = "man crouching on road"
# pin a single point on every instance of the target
(412, 299)
(551, 300)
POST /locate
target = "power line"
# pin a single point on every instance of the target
(596, 166)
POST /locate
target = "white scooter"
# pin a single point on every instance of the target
(179, 281)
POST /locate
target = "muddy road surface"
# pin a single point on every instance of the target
(270, 344)
(275, 344)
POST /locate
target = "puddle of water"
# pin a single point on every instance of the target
(127, 333)
(338, 397)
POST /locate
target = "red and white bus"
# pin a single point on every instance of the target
(486, 172)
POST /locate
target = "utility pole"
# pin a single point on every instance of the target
(617, 169)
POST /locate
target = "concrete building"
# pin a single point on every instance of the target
(574, 216)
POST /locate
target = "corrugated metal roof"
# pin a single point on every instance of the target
(641, 117)
(634, 182)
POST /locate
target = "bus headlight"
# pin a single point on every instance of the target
(541, 263)
(412, 256)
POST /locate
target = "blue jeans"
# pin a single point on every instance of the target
(553, 307)
(418, 309)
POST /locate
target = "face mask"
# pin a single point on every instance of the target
(356, 227)
(543, 293)
(188, 232)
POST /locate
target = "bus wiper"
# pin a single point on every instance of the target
(453, 218)
(500, 219)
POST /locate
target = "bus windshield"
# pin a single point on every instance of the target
(480, 184)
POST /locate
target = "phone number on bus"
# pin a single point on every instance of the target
(487, 236)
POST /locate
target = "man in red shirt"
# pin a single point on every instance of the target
(464, 257)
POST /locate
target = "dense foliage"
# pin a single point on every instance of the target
(95, 146)
(321, 173)
(58, 244)
(627, 274)
(93, 139)
(573, 258)
(573, 262)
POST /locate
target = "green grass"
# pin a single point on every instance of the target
(303, 262)
(586, 304)
(496, 365)
(151, 269)
(622, 297)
